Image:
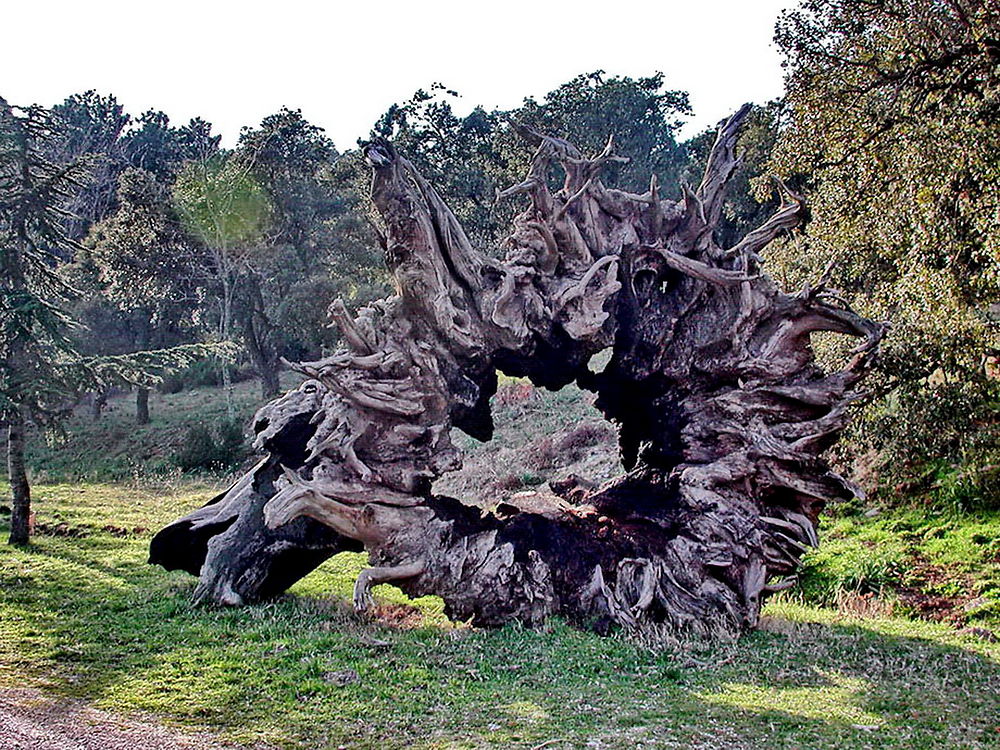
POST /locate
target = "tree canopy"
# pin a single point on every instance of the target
(892, 134)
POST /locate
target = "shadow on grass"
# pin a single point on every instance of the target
(87, 618)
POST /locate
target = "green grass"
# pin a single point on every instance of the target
(841, 662)
(86, 617)
(945, 564)
(114, 448)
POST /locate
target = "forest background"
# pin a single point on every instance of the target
(149, 235)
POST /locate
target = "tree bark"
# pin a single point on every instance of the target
(144, 323)
(99, 399)
(238, 557)
(225, 325)
(269, 381)
(257, 334)
(721, 411)
(142, 405)
(20, 518)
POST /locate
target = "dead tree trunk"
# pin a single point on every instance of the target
(238, 557)
(721, 411)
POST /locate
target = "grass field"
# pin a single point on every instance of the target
(889, 642)
(113, 447)
(82, 615)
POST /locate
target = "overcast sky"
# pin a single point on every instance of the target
(344, 63)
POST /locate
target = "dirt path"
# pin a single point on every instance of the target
(30, 720)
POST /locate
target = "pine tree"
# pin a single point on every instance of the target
(36, 333)
(41, 369)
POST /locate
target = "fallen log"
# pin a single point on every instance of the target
(721, 411)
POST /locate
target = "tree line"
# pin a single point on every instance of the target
(145, 236)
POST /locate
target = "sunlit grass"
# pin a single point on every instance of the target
(834, 697)
(86, 617)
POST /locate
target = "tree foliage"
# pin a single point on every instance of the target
(892, 132)
(223, 205)
(638, 113)
(41, 366)
(146, 265)
(36, 342)
(471, 158)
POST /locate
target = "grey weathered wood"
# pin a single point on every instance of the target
(721, 411)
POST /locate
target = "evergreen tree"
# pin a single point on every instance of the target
(36, 344)
(41, 368)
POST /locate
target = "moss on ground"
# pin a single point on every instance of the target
(917, 561)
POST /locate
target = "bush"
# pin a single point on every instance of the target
(936, 441)
(542, 454)
(966, 488)
(230, 442)
(205, 449)
(205, 373)
(583, 436)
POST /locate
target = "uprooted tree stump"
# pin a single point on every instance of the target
(722, 413)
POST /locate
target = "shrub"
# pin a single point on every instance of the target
(171, 383)
(541, 454)
(212, 450)
(531, 480)
(966, 488)
(939, 441)
(230, 444)
(584, 435)
(203, 373)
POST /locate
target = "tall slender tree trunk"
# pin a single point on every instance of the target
(142, 406)
(142, 394)
(21, 492)
(257, 331)
(227, 336)
(269, 383)
(263, 361)
(97, 404)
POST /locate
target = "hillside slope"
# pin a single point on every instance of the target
(114, 447)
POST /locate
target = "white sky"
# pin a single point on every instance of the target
(344, 63)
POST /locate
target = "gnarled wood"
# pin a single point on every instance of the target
(721, 411)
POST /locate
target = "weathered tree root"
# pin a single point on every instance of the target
(721, 411)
